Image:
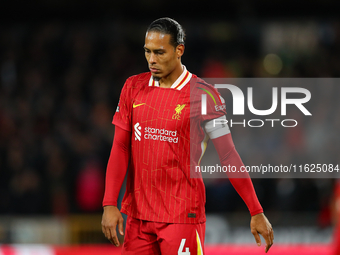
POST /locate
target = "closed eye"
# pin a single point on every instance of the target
(159, 52)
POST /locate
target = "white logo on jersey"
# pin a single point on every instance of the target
(138, 133)
(117, 109)
(155, 134)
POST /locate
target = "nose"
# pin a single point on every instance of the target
(152, 59)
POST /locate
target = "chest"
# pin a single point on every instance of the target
(161, 108)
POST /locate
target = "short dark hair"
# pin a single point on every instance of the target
(170, 27)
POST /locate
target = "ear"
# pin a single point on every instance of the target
(180, 50)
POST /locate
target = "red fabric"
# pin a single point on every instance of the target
(241, 181)
(117, 166)
(159, 183)
(147, 237)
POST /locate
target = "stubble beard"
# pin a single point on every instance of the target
(156, 78)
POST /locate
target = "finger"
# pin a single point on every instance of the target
(104, 231)
(268, 247)
(121, 226)
(114, 237)
(272, 235)
(257, 237)
(268, 241)
(108, 234)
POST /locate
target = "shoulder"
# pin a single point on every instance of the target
(200, 86)
(138, 80)
(213, 98)
(134, 84)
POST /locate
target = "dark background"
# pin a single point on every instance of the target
(140, 10)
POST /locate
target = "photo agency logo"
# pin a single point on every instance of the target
(239, 100)
(261, 114)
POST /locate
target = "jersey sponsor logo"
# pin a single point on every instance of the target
(136, 105)
(220, 107)
(178, 111)
(160, 134)
(156, 134)
(138, 132)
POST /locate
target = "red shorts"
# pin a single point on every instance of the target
(151, 238)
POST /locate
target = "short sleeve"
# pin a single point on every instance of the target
(122, 117)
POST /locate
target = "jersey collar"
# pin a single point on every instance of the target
(181, 81)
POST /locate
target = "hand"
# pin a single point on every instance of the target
(111, 218)
(259, 224)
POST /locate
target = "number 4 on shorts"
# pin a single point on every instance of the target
(181, 247)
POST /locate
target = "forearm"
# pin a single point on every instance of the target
(241, 181)
(117, 166)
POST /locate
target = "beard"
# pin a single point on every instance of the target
(156, 78)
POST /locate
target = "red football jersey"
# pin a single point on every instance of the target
(166, 125)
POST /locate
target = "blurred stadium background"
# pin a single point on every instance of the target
(62, 66)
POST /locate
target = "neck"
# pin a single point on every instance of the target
(167, 81)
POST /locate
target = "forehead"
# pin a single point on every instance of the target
(157, 40)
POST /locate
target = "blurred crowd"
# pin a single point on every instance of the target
(60, 84)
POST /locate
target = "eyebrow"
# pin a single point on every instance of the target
(156, 50)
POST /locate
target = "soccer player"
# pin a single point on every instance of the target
(160, 134)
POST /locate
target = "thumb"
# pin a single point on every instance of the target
(121, 226)
(257, 238)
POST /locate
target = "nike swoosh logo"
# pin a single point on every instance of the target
(136, 105)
